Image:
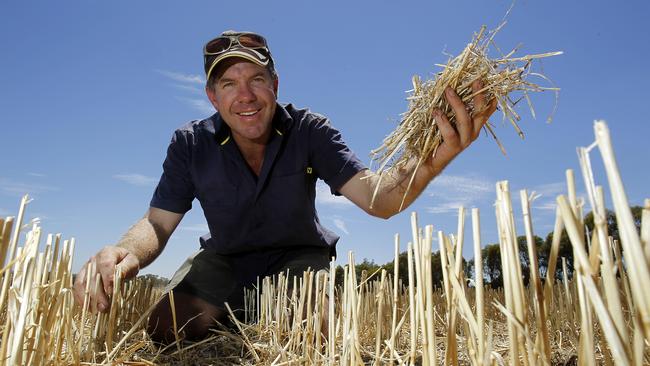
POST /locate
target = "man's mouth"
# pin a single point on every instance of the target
(248, 113)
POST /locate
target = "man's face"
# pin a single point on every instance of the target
(244, 93)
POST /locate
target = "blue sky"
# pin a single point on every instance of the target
(90, 93)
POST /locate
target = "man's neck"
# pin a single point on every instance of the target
(253, 152)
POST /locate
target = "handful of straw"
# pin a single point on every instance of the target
(417, 137)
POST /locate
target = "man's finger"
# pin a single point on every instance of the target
(79, 287)
(129, 266)
(106, 267)
(108, 277)
(463, 119)
(484, 111)
(479, 99)
(449, 134)
(98, 298)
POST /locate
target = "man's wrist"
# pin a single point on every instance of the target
(430, 169)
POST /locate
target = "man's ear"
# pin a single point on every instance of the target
(276, 83)
(209, 91)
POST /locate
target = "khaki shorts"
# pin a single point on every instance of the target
(219, 278)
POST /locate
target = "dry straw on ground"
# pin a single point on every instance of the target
(417, 136)
(601, 315)
(598, 316)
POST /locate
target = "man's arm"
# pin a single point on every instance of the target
(360, 188)
(141, 244)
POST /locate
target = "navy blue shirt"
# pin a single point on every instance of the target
(246, 212)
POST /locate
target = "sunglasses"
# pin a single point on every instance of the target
(226, 42)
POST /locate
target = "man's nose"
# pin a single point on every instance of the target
(245, 93)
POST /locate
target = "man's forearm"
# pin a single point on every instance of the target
(144, 240)
(384, 195)
(399, 187)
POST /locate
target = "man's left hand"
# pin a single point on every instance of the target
(360, 188)
(458, 138)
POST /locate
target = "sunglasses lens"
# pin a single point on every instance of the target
(217, 45)
(251, 40)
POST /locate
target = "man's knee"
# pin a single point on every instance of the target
(194, 319)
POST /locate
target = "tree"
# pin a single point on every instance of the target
(566, 248)
(156, 281)
(492, 269)
(610, 220)
(492, 265)
(565, 251)
(524, 258)
(436, 269)
(403, 268)
(367, 267)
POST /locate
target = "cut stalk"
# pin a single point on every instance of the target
(478, 282)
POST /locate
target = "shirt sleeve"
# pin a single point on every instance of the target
(332, 159)
(175, 190)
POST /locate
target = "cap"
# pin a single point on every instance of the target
(247, 45)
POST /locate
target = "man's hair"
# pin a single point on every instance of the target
(219, 72)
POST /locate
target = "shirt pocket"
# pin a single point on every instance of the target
(290, 196)
(218, 194)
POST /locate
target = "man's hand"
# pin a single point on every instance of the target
(141, 244)
(360, 188)
(106, 262)
(467, 129)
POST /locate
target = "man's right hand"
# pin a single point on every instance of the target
(141, 244)
(106, 262)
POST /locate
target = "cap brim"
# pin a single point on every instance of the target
(248, 54)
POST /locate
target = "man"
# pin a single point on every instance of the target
(253, 167)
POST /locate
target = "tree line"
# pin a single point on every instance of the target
(491, 255)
